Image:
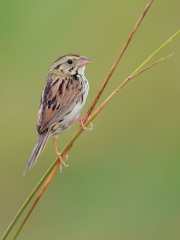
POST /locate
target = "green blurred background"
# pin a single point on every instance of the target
(123, 179)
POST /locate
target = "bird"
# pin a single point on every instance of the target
(62, 100)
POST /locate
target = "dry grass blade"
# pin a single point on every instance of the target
(118, 59)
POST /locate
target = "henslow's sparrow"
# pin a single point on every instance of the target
(62, 100)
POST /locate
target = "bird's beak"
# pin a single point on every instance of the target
(83, 61)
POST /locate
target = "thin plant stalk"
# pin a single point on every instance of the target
(126, 44)
(156, 52)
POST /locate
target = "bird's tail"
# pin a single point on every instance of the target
(38, 149)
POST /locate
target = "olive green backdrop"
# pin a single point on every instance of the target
(123, 179)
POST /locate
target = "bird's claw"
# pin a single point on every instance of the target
(62, 163)
(85, 128)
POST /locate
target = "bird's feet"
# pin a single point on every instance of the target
(82, 125)
(62, 163)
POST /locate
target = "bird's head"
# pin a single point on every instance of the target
(70, 64)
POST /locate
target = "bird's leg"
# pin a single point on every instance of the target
(58, 155)
(80, 119)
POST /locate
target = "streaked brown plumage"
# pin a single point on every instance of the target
(62, 100)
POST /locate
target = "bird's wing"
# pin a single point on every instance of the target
(59, 97)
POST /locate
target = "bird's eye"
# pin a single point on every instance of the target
(69, 61)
